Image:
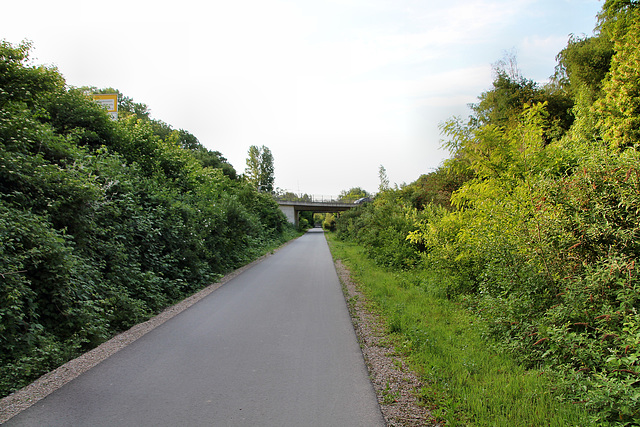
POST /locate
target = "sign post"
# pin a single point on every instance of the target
(108, 101)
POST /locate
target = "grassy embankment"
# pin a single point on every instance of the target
(468, 383)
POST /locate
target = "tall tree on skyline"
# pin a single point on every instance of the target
(260, 170)
(384, 179)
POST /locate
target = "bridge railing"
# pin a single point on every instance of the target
(303, 197)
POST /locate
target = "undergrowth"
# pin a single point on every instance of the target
(467, 381)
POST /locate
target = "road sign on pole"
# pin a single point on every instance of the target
(108, 101)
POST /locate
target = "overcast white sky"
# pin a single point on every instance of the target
(335, 88)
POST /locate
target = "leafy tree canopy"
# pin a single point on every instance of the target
(260, 169)
(353, 194)
(132, 111)
(20, 81)
(619, 110)
(502, 105)
(583, 64)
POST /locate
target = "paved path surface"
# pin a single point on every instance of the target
(273, 347)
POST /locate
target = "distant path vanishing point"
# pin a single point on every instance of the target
(272, 347)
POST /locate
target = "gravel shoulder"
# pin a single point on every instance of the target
(394, 382)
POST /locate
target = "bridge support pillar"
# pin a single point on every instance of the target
(291, 213)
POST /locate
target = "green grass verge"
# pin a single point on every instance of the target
(468, 383)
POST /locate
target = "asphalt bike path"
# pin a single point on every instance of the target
(272, 347)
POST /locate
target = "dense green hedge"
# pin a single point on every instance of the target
(104, 223)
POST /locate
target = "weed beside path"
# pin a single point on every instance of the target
(396, 385)
(464, 381)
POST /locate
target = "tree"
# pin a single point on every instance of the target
(22, 82)
(582, 67)
(502, 105)
(267, 176)
(260, 170)
(207, 158)
(384, 179)
(616, 16)
(128, 108)
(436, 187)
(329, 222)
(619, 110)
(355, 193)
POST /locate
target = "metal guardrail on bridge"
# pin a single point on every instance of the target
(313, 198)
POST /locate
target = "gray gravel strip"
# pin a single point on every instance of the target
(396, 385)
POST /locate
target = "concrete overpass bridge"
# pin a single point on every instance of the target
(292, 209)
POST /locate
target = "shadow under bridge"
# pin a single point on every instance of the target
(292, 209)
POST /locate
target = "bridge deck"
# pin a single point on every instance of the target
(291, 209)
(318, 206)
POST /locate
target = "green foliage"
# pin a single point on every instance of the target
(353, 194)
(103, 223)
(435, 188)
(384, 179)
(305, 220)
(619, 109)
(582, 67)
(543, 247)
(21, 82)
(133, 112)
(466, 381)
(69, 114)
(616, 16)
(260, 168)
(318, 218)
(503, 104)
(541, 234)
(584, 63)
(382, 227)
(329, 222)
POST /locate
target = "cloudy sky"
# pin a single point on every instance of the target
(335, 88)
